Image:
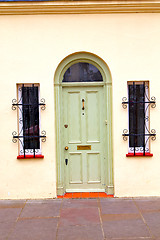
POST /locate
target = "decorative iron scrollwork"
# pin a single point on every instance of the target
(16, 136)
(14, 139)
(153, 102)
(43, 136)
(153, 134)
(124, 102)
(125, 134)
(42, 104)
(14, 104)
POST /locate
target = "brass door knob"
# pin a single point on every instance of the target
(66, 147)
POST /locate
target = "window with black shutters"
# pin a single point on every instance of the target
(30, 116)
(138, 111)
(29, 120)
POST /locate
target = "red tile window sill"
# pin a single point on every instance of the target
(29, 156)
(139, 155)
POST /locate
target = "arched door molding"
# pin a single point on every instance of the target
(58, 85)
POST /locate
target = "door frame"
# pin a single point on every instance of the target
(107, 82)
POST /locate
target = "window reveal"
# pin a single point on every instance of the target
(30, 116)
(138, 109)
(29, 120)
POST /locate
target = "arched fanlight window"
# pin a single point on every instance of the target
(82, 72)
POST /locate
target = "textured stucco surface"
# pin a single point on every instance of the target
(31, 48)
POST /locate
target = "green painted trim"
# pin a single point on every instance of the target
(104, 69)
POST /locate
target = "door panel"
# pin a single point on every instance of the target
(83, 116)
(73, 101)
(93, 117)
(75, 168)
(94, 167)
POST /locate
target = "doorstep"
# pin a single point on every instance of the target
(86, 195)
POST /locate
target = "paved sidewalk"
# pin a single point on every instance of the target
(80, 219)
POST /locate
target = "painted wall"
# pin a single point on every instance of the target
(31, 47)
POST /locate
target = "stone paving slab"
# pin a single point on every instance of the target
(12, 203)
(5, 229)
(118, 206)
(79, 203)
(80, 232)
(35, 229)
(80, 219)
(9, 214)
(152, 220)
(130, 238)
(130, 228)
(79, 216)
(41, 209)
(147, 205)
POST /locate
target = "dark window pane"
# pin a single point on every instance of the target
(82, 72)
(30, 117)
(136, 115)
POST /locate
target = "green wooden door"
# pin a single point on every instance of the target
(83, 136)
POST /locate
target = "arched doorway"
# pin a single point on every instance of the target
(83, 107)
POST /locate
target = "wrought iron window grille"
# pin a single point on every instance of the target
(28, 134)
(144, 134)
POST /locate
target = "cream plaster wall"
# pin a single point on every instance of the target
(31, 47)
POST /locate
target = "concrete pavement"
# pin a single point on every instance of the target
(80, 219)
